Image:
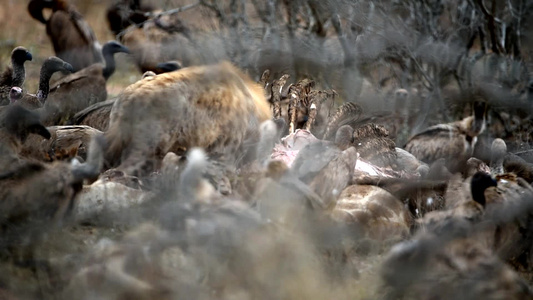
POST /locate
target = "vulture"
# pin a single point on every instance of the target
(15, 74)
(81, 89)
(72, 37)
(397, 122)
(35, 197)
(96, 115)
(454, 142)
(374, 145)
(123, 13)
(168, 66)
(18, 124)
(451, 264)
(346, 114)
(501, 162)
(161, 38)
(215, 107)
(15, 94)
(50, 66)
(463, 244)
(65, 143)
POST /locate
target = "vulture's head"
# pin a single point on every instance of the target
(113, 47)
(344, 137)
(401, 94)
(20, 122)
(168, 66)
(35, 8)
(480, 182)
(480, 116)
(498, 149)
(15, 94)
(54, 64)
(148, 74)
(20, 55)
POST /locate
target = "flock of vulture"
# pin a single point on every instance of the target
(197, 182)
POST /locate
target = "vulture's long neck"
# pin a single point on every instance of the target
(478, 194)
(44, 83)
(109, 63)
(19, 73)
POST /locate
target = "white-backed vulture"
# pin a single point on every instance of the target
(501, 162)
(214, 107)
(168, 66)
(346, 114)
(72, 37)
(15, 94)
(18, 123)
(454, 142)
(35, 196)
(79, 90)
(498, 151)
(396, 120)
(371, 142)
(123, 13)
(374, 145)
(50, 66)
(66, 142)
(96, 115)
(15, 74)
(162, 38)
(451, 264)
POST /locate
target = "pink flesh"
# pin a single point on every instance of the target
(294, 142)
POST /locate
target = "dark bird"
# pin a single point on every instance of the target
(18, 124)
(397, 120)
(65, 143)
(346, 114)
(79, 90)
(50, 66)
(96, 115)
(452, 264)
(466, 242)
(72, 37)
(454, 142)
(371, 142)
(35, 197)
(123, 13)
(15, 74)
(501, 161)
(169, 66)
(214, 107)
(15, 94)
(156, 39)
(374, 145)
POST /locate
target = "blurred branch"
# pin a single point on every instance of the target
(172, 11)
(348, 56)
(496, 46)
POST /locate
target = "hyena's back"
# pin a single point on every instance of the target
(214, 107)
